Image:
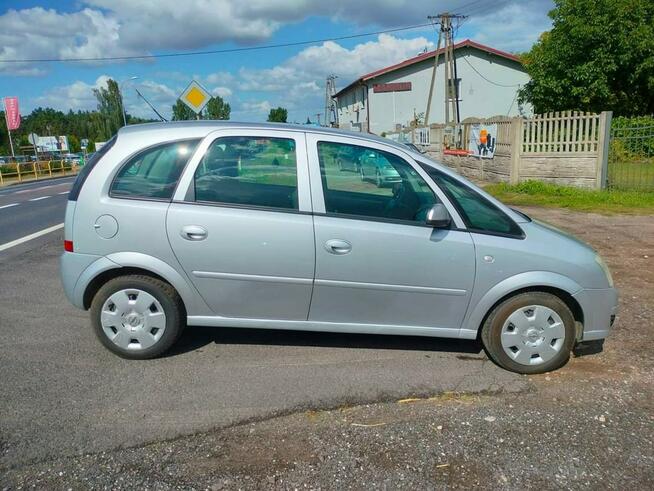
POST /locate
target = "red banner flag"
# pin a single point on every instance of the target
(12, 113)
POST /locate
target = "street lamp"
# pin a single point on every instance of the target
(122, 99)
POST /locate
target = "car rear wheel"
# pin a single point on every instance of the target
(137, 317)
(529, 333)
(378, 180)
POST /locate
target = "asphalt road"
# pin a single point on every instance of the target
(29, 208)
(63, 394)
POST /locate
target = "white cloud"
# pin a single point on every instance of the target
(253, 109)
(221, 92)
(76, 96)
(512, 26)
(128, 27)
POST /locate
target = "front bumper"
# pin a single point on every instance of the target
(600, 307)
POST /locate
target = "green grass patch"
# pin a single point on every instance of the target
(536, 193)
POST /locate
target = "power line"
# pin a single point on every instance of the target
(487, 80)
(213, 52)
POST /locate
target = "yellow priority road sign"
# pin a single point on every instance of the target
(195, 96)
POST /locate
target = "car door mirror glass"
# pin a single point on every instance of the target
(438, 216)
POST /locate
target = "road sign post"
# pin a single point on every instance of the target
(33, 138)
(195, 97)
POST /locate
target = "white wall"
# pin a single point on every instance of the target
(478, 97)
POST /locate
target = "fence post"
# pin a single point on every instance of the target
(516, 149)
(603, 149)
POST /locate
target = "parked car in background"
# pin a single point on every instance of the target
(375, 166)
(253, 226)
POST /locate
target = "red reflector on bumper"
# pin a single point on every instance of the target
(68, 245)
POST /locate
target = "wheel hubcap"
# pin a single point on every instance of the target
(533, 335)
(133, 319)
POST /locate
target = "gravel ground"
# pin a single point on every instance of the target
(589, 425)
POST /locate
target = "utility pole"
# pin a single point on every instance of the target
(446, 34)
(331, 112)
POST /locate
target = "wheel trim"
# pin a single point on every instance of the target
(533, 335)
(133, 319)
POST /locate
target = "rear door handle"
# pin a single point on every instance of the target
(338, 246)
(193, 232)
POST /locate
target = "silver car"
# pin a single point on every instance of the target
(251, 225)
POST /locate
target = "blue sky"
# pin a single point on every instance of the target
(252, 81)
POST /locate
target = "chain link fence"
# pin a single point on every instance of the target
(631, 154)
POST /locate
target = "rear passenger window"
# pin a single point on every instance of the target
(249, 171)
(154, 172)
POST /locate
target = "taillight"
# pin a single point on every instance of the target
(68, 245)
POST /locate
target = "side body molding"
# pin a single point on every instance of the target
(472, 321)
(192, 300)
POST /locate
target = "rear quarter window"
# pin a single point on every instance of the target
(86, 170)
(153, 173)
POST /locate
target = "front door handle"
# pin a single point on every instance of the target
(193, 232)
(338, 246)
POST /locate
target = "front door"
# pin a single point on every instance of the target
(377, 263)
(241, 227)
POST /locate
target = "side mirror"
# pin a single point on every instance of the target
(438, 217)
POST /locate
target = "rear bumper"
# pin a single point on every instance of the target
(600, 308)
(71, 267)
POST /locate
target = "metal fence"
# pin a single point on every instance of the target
(631, 158)
(28, 171)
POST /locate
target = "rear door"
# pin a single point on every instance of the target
(241, 224)
(377, 263)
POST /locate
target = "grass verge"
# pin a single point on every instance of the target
(536, 193)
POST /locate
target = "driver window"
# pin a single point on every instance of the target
(368, 182)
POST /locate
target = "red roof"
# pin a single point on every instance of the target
(430, 54)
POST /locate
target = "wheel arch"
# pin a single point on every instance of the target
(121, 264)
(554, 283)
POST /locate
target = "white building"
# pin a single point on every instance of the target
(488, 82)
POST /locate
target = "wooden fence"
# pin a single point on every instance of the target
(561, 132)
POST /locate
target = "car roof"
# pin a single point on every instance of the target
(204, 127)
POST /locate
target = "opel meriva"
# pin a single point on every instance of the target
(265, 226)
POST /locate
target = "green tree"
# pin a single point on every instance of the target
(217, 108)
(74, 145)
(110, 107)
(598, 56)
(278, 115)
(181, 112)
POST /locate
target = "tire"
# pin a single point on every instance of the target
(131, 309)
(540, 324)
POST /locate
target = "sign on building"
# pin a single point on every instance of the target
(482, 140)
(195, 97)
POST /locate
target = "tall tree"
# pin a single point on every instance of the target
(278, 115)
(181, 112)
(598, 56)
(217, 108)
(110, 107)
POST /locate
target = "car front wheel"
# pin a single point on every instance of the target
(137, 317)
(533, 332)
